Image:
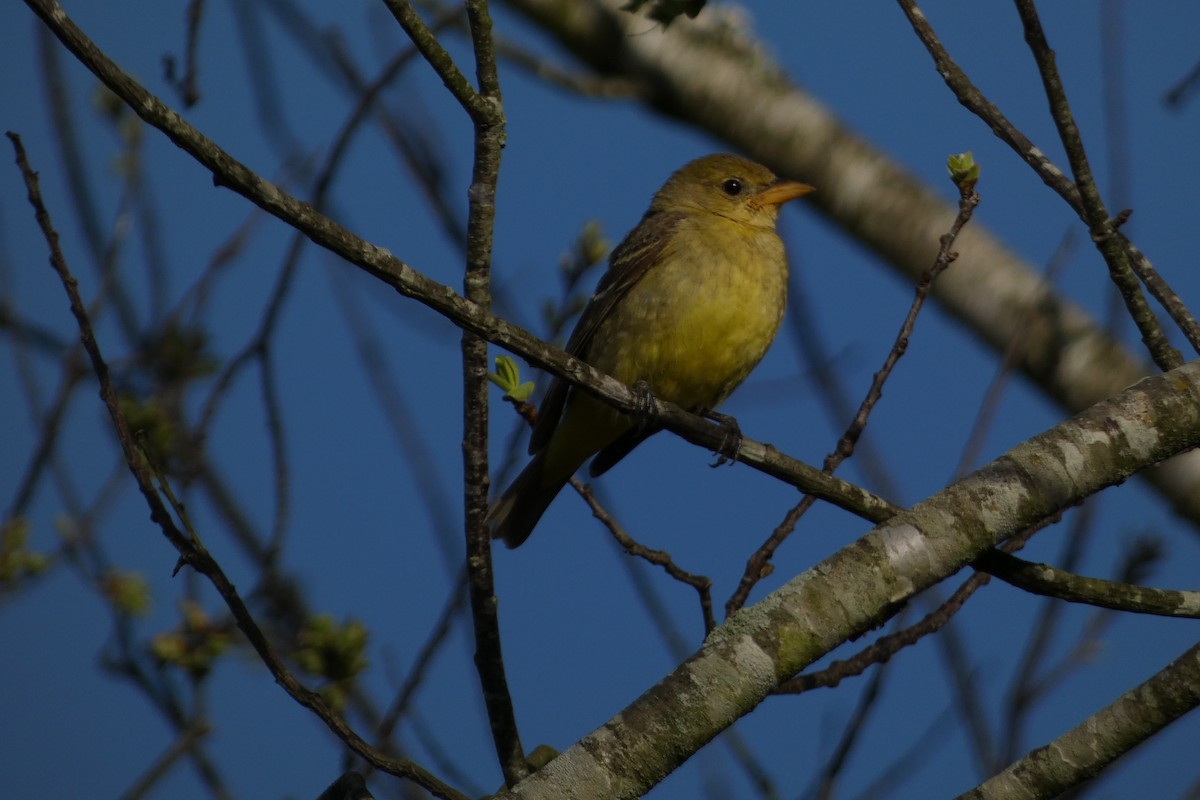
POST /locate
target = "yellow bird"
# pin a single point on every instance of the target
(691, 301)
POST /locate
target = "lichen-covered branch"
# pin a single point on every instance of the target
(846, 595)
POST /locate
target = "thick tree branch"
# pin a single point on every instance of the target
(1080, 753)
(846, 595)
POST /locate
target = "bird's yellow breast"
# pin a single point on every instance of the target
(698, 321)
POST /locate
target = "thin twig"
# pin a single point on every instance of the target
(757, 565)
(974, 101)
(585, 84)
(881, 650)
(476, 104)
(854, 728)
(1046, 580)
(1102, 228)
(1008, 362)
(1187, 85)
(421, 664)
(188, 86)
(661, 558)
(184, 743)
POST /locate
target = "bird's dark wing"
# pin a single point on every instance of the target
(628, 263)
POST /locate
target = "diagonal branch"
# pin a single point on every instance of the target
(1102, 228)
(476, 105)
(1046, 580)
(1082, 752)
(864, 583)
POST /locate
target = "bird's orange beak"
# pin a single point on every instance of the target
(780, 192)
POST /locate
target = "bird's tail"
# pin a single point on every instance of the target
(513, 517)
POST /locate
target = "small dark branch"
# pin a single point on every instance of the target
(28, 332)
(968, 200)
(183, 745)
(51, 426)
(420, 668)
(880, 651)
(1008, 363)
(967, 696)
(834, 765)
(188, 85)
(472, 101)
(485, 109)
(661, 558)
(757, 567)
(412, 144)
(1161, 291)
(822, 370)
(919, 747)
(1089, 747)
(1177, 95)
(273, 414)
(191, 551)
(1110, 246)
(587, 85)
(1051, 582)
(1093, 212)
(974, 101)
(404, 420)
(1029, 683)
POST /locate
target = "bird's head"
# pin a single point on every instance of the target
(730, 186)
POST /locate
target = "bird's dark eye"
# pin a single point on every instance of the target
(732, 187)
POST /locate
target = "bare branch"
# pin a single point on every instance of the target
(1080, 753)
(1102, 228)
(1046, 580)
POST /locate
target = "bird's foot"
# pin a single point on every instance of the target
(731, 444)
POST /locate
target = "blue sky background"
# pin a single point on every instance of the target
(364, 539)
